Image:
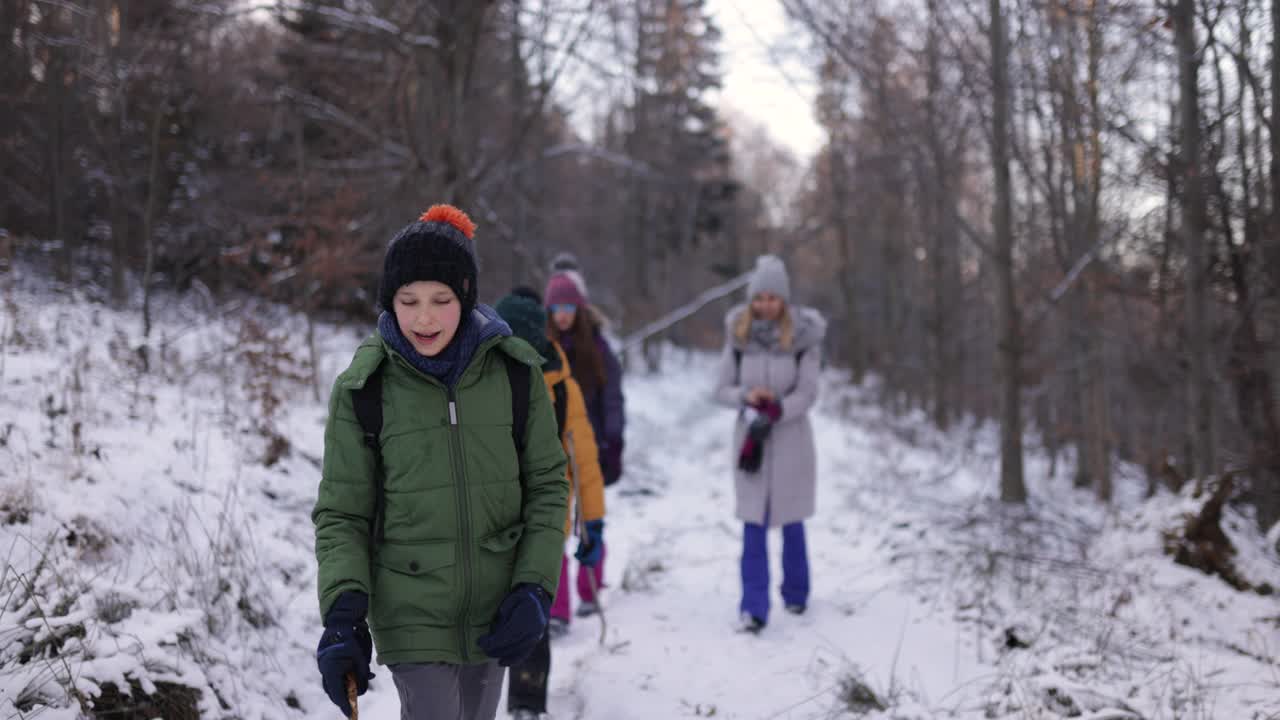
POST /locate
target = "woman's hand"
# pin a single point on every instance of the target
(759, 395)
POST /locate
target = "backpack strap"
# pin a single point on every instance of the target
(799, 357)
(518, 377)
(561, 392)
(368, 406)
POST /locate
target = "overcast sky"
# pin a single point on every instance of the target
(763, 74)
(766, 76)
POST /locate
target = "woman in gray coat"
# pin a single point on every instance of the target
(769, 373)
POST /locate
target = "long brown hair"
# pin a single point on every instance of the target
(586, 362)
(742, 327)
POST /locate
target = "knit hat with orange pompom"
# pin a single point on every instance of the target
(437, 247)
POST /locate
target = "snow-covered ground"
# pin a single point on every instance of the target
(148, 546)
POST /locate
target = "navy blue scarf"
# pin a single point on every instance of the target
(448, 366)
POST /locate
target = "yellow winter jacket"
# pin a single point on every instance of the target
(587, 460)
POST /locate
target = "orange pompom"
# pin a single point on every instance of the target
(453, 216)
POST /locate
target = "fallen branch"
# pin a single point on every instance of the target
(1201, 543)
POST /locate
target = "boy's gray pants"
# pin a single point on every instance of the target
(442, 691)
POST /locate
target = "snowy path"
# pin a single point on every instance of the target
(679, 655)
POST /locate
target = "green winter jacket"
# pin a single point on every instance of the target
(465, 520)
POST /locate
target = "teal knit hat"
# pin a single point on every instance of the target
(528, 321)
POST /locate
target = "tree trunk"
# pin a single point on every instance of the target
(457, 31)
(307, 300)
(939, 226)
(1275, 118)
(115, 150)
(1097, 429)
(639, 144)
(1009, 346)
(56, 87)
(1098, 416)
(848, 283)
(519, 103)
(119, 239)
(1247, 362)
(1046, 422)
(1066, 217)
(891, 279)
(1199, 387)
(148, 227)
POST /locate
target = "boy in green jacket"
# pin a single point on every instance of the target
(444, 528)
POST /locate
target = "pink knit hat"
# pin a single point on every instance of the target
(562, 290)
(567, 263)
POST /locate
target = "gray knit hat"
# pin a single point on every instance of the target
(770, 276)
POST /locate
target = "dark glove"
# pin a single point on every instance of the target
(521, 621)
(589, 547)
(345, 647)
(760, 419)
(758, 426)
(611, 461)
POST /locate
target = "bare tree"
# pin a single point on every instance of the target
(938, 180)
(1275, 119)
(1236, 190)
(1199, 381)
(1072, 185)
(1012, 486)
(838, 203)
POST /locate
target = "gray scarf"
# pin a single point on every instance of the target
(765, 334)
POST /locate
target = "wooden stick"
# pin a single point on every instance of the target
(353, 696)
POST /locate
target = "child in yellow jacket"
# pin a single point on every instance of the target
(528, 320)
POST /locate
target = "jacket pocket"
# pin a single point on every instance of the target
(503, 540)
(495, 564)
(414, 584)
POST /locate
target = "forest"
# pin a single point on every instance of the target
(1054, 214)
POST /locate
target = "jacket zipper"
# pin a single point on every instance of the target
(464, 523)
(463, 505)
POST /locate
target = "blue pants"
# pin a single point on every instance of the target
(755, 568)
